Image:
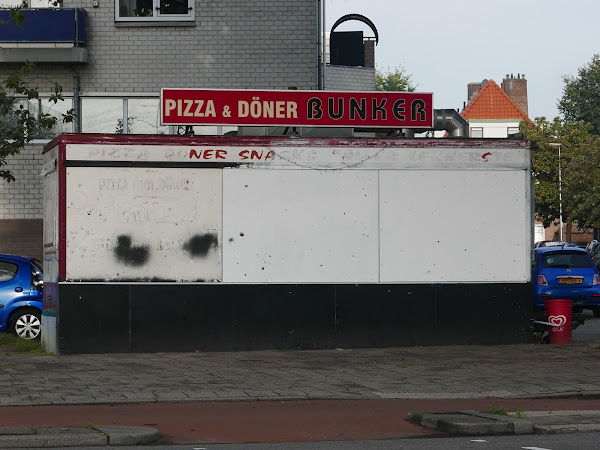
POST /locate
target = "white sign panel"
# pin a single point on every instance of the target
(300, 226)
(143, 224)
(454, 226)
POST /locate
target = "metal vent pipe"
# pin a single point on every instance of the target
(444, 120)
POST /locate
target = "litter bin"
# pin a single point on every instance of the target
(559, 316)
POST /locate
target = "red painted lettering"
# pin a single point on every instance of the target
(256, 155)
(208, 154)
(220, 154)
(244, 154)
(194, 153)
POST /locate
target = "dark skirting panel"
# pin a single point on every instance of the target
(113, 317)
(231, 317)
(93, 318)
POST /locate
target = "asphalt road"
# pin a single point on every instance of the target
(589, 331)
(574, 441)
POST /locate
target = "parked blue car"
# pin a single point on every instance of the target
(568, 273)
(21, 296)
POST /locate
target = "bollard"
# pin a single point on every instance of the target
(559, 314)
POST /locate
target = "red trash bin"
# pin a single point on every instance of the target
(559, 314)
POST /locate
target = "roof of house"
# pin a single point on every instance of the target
(491, 102)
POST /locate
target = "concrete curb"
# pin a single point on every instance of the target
(471, 423)
(93, 436)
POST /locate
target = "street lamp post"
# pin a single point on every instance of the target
(558, 144)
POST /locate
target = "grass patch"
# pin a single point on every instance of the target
(501, 411)
(540, 338)
(13, 344)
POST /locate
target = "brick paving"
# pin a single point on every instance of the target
(452, 372)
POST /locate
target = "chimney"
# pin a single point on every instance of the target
(516, 89)
(369, 46)
(472, 90)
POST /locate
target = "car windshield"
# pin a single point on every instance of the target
(37, 263)
(566, 260)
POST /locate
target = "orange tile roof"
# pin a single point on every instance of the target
(491, 102)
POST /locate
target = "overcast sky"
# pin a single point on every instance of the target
(447, 44)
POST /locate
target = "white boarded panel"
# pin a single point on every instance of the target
(143, 224)
(454, 226)
(300, 226)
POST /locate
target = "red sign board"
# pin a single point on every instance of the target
(296, 108)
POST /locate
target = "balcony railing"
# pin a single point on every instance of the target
(45, 25)
(48, 35)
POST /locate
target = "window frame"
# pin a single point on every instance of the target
(9, 265)
(478, 129)
(156, 15)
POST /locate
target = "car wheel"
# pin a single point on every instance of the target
(26, 323)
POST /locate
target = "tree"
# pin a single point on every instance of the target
(580, 171)
(18, 126)
(581, 95)
(396, 80)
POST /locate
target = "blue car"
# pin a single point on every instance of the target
(566, 273)
(21, 296)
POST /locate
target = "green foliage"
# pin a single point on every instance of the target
(18, 126)
(120, 129)
(500, 410)
(518, 413)
(581, 95)
(580, 171)
(397, 80)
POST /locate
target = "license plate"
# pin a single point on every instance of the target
(570, 280)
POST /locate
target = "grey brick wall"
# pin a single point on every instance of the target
(23, 198)
(344, 78)
(21, 204)
(260, 44)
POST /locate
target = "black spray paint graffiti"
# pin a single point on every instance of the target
(200, 244)
(125, 253)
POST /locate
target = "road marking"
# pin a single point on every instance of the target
(535, 448)
(478, 440)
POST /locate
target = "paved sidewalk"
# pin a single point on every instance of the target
(454, 372)
(477, 423)
(304, 395)
(91, 436)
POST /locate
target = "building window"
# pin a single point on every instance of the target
(476, 132)
(154, 10)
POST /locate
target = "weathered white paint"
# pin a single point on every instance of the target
(340, 213)
(51, 208)
(307, 157)
(300, 226)
(159, 210)
(454, 226)
(49, 335)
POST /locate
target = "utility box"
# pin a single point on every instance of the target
(174, 243)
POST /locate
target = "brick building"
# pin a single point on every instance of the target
(112, 58)
(496, 111)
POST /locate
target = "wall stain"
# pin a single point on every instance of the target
(200, 244)
(134, 256)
